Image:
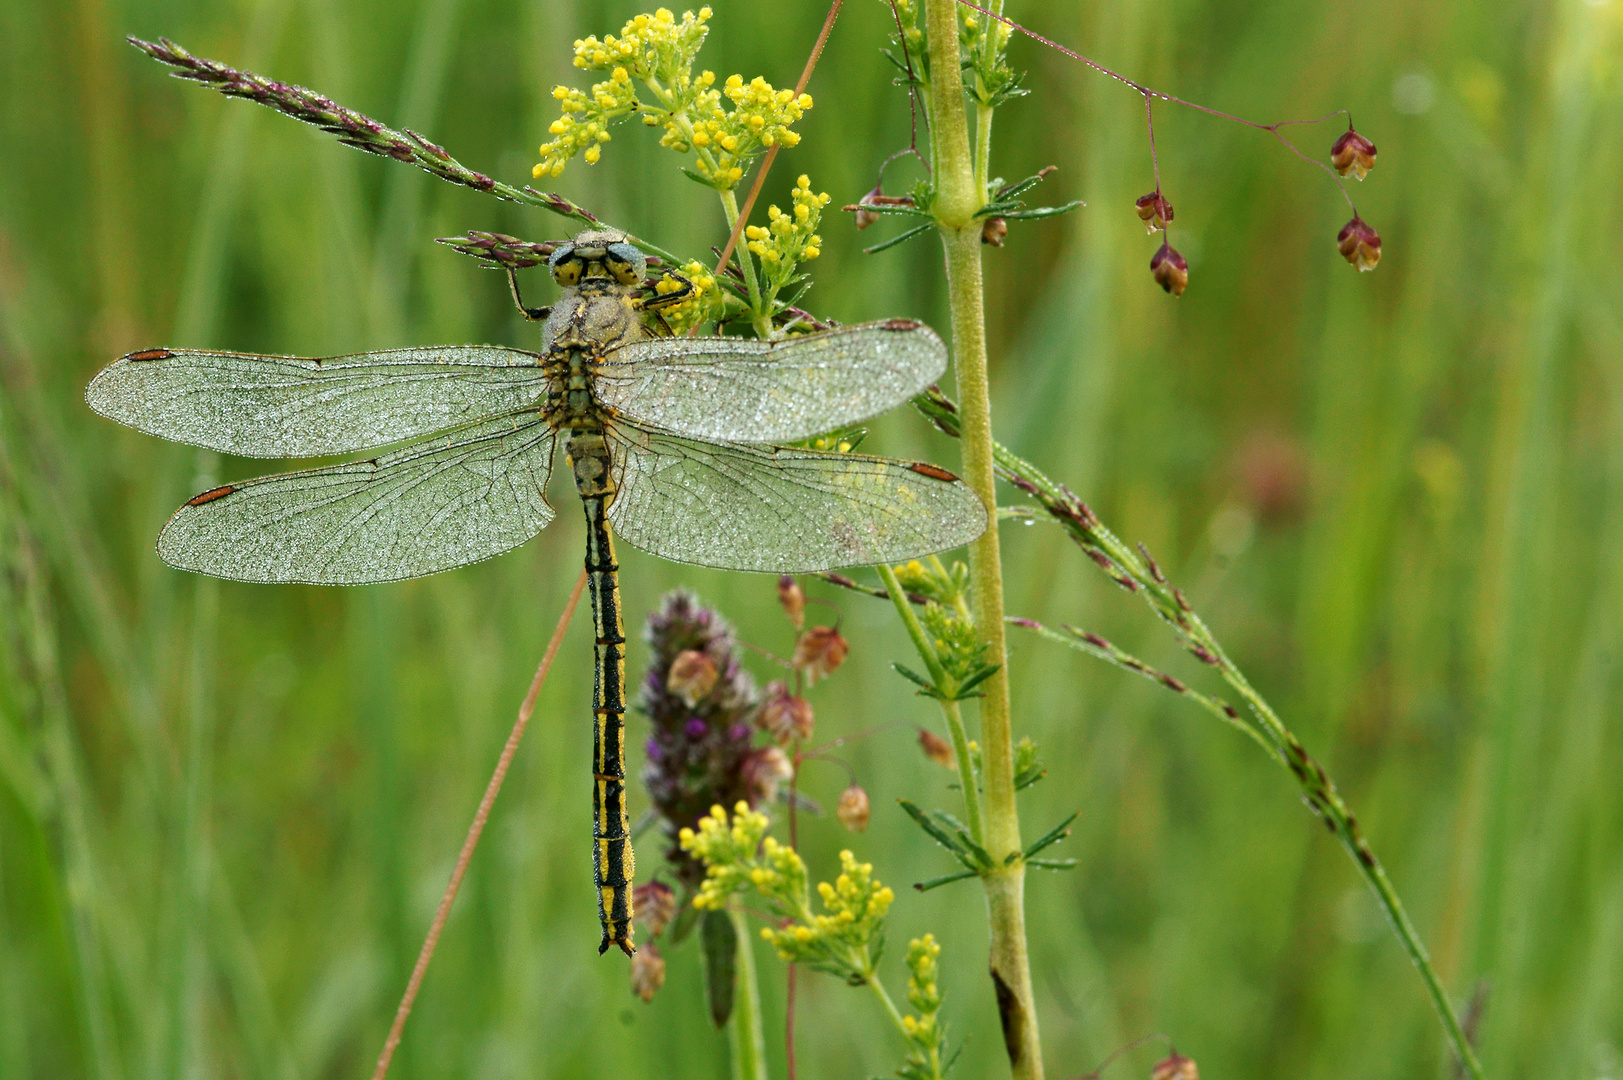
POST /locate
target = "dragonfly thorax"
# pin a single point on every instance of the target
(595, 316)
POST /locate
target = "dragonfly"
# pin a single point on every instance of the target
(672, 443)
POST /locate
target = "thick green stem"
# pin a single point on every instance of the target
(956, 201)
(747, 1038)
(949, 709)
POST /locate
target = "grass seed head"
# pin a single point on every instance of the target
(1352, 153)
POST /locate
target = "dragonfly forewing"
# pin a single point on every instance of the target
(289, 406)
(440, 503)
(741, 390)
(782, 510)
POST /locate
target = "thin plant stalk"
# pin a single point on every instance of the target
(747, 1037)
(957, 199)
(950, 710)
(894, 1014)
(735, 222)
(525, 710)
(983, 113)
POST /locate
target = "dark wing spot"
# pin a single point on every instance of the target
(924, 468)
(901, 324)
(210, 495)
(150, 354)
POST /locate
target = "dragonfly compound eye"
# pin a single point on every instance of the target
(627, 264)
(566, 266)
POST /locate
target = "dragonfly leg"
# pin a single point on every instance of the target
(534, 314)
(684, 290)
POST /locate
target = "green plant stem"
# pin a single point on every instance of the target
(983, 113)
(891, 1011)
(1136, 572)
(895, 1015)
(758, 314)
(747, 1038)
(956, 201)
(949, 709)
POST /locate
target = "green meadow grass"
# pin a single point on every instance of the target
(227, 811)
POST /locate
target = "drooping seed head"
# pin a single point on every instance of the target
(793, 600)
(853, 809)
(692, 675)
(819, 652)
(1170, 269)
(1153, 210)
(1352, 153)
(655, 905)
(1175, 1067)
(647, 972)
(1359, 244)
(937, 749)
(783, 715)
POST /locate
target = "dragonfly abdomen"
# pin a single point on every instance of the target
(613, 862)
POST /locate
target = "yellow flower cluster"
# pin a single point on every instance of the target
(655, 50)
(922, 992)
(658, 51)
(707, 303)
(584, 124)
(727, 850)
(855, 905)
(653, 47)
(726, 140)
(788, 238)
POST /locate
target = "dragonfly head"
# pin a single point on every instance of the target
(601, 254)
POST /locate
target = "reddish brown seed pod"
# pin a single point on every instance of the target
(655, 905)
(1175, 1067)
(764, 771)
(647, 972)
(994, 231)
(692, 675)
(1352, 153)
(1153, 210)
(937, 749)
(865, 217)
(819, 652)
(793, 600)
(1359, 244)
(783, 715)
(853, 808)
(1170, 269)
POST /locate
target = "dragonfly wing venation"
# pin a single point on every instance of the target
(288, 406)
(431, 506)
(741, 390)
(782, 510)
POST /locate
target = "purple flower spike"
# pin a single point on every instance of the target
(690, 766)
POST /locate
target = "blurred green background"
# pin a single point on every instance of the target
(227, 811)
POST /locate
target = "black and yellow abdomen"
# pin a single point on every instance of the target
(614, 866)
